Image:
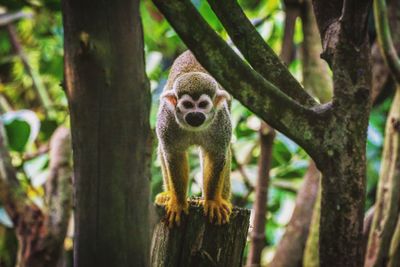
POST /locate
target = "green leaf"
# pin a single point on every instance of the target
(18, 132)
(21, 128)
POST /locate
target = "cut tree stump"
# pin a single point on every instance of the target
(196, 242)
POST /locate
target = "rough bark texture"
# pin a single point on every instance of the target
(267, 136)
(197, 243)
(109, 101)
(289, 252)
(343, 29)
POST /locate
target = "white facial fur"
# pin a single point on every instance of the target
(186, 104)
(203, 104)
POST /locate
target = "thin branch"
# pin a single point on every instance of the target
(8, 18)
(36, 80)
(246, 85)
(388, 196)
(394, 253)
(316, 77)
(385, 39)
(368, 217)
(59, 190)
(260, 56)
(267, 136)
(242, 172)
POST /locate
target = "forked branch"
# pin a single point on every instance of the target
(260, 56)
(248, 86)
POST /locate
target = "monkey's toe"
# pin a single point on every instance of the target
(174, 210)
(162, 198)
(217, 210)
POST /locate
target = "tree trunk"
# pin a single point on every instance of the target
(197, 243)
(109, 101)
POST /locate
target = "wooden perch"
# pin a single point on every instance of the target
(196, 242)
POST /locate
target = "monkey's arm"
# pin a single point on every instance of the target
(175, 173)
(217, 186)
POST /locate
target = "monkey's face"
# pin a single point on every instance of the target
(195, 114)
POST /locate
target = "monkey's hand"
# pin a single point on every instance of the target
(162, 198)
(219, 209)
(174, 210)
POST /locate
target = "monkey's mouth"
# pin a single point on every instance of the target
(195, 119)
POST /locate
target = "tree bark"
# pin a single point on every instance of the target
(109, 101)
(267, 136)
(197, 243)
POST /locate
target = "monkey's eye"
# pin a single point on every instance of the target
(203, 104)
(187, 104)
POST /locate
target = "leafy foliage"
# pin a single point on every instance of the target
(29, 126)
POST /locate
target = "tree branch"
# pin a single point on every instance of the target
(256, 93)
(267, 136)
(36, 79)
(260, 56)
(8, 18)
(338, 19)
(59, 185)
(388, 49)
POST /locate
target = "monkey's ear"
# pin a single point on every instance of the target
(170, 97)
(221, 96)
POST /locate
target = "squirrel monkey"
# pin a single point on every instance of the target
(194, 111)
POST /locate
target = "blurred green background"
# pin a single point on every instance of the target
(33, 104)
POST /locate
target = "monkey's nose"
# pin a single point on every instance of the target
(195, 118)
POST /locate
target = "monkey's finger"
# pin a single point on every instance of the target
(224, 212)
(211, 215)
(227, 208)
(219, 217)
(178, 219)
(205, 210)
(171, 219)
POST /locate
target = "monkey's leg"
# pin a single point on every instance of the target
(163, 197)
(226, 191)
(177, 167)
(216, 189)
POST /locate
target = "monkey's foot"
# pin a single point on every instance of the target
(162, 198)
(174, 211)
(219, 209)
